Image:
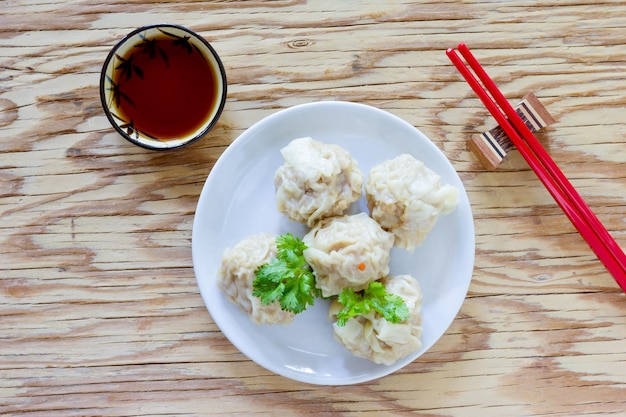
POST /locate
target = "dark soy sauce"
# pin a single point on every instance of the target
(167, 89)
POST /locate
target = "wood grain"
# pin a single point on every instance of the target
(100, 313)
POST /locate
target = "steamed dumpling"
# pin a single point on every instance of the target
(347, 251)
(406, 198)
(374, 338)
(236, 275)
(317, 180)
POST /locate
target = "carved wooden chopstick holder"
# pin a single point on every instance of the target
(492, 147)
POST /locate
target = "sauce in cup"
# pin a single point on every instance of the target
(163, 87)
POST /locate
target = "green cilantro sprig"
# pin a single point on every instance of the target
(375, 297)
(288, 278)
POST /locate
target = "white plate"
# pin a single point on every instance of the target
(238, 200)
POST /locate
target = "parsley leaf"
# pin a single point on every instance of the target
(288, 278)
(375, 297)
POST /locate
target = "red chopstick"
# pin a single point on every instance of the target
(557, 184)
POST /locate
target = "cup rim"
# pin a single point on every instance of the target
(147, 142)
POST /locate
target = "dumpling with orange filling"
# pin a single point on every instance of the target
(347, 252)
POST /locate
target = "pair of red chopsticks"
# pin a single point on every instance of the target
(566, 196)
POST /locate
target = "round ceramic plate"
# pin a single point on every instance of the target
(238, 201)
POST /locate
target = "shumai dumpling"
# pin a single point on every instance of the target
(406, 198)
(316, 181)
(347, 251)
(236, 275)
(372, 337)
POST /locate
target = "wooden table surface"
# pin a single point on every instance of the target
(100, 310)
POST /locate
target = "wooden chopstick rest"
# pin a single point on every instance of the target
(492, 147)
